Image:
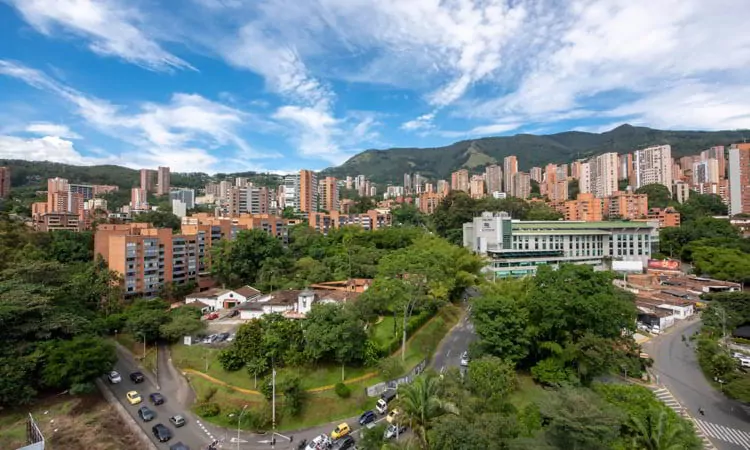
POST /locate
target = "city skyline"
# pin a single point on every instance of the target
(250, 87)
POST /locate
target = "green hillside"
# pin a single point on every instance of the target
(388, 166)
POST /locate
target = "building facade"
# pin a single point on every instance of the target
(516, 248)
(330, 194)
(739, 179)
(510, 168)
(371, 220)
(186, 196)
(653, 165)
(521, 185)
(627, 206)
(604, 174)
(460, 180)
(493, 176)
(162, 181)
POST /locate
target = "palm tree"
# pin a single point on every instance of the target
(657, 432)
(419, 404)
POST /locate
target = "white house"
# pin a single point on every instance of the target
(218, 298)
(294, 304)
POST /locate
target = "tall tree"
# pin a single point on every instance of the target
(580, 420)
(420, 405)
(77, 361)
(658, 195)
(334, 332)
(239, 261)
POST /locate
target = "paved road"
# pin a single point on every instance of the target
(454, 344)
(191, 434)
(726, 422)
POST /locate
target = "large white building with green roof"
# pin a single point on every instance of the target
(516, 248)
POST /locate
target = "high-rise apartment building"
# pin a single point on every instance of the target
(510, 168)
(603, 172)
(186, 196)
(330, 194)
(138, 199)
(476, 186)
(706, 171)
(162, 181)
(521, 185)
(653, 165)
(562, 172)
(719, 154)
(584, 178)
(308, 191)
(418, 183)
(443, 187)
(585, 207)
(258, 200)
(627, 206)
(493, 176)
(460, 180)
(4, 182)
(739, 179)
(241, 181)
(681, 191)
(575, 170)
(537, 174)
(147, 179)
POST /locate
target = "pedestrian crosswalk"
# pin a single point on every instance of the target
(733, 435)
(668, 399)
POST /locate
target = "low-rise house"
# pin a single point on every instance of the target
(358, 285)
(294, 304)
(218, 298)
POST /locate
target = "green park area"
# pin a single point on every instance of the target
(321, 401)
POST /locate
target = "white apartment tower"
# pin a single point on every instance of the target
(653, 165)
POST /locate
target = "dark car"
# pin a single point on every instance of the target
(367, 417)
(346, 443)
(178, 421)
(137, 377)
(146, 414)
(156, 398)
(234, 313)
(161, 432)
(179, 446)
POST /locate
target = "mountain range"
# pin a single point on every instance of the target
(388, 166)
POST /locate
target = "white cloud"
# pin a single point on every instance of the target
(483, 130)
(111, 27)
(47, 148)
(175, 133)
(423, 122)
(52, 129)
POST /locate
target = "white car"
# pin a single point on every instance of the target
(322, 442)
(394, 431)
(738, 355)
(745, 362)
(465, 359)
(114, 377)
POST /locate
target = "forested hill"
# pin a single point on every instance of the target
(35, 173)
(385, 166)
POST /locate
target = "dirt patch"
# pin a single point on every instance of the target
(69, 423)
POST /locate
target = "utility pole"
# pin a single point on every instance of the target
(156, 366)
(239, 420)
(273, 408)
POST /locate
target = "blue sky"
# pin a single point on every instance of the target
(232, 85)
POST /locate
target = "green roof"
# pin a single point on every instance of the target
(564, 225)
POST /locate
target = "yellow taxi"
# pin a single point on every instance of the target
(340, 431)
(392, 416)
(133, 397)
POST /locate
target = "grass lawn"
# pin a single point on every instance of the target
(383, 332)
(69, 423)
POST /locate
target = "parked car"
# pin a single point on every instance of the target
(320, 442)
(133, 397)
(156, 398)
(738, 355)
(212, 316)
(137, 377)
(346, 443)
(178, 421)
(367, 417)
(464, 359)
(745, 362)
(392, 416)
(231, 337)
(179, 446)
(234, 313)
(221, 337)
(146, 414)
(114, 377)
(393, 431)
(340, 431)
(161, 432)
(382, 404)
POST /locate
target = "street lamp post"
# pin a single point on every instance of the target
(239, 420)
(273, 408)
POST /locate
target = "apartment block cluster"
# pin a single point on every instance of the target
(716, 170)
(70, 206)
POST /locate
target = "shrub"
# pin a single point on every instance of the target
(209, 394)
(208, 409)
(390, 368)
(230, 360)
(343, 390)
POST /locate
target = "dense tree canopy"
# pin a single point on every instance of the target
(701, 205)
(160, 219)
(239, 262)
(658, 195)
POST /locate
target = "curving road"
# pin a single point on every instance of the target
(726, 422)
